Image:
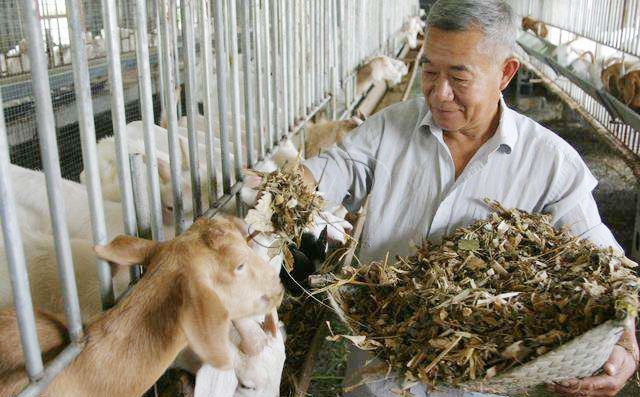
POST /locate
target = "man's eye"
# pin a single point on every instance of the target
(430, 74)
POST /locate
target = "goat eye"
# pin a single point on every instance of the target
(240, 267)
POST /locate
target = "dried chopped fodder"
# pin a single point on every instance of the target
(490, 296)
(286, 206)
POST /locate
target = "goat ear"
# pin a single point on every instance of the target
(164, 171)
(206, 324)
(125, 250)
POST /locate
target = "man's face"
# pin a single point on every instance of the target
(461, 81)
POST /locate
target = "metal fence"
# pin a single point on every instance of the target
(253, 69)
(614, 23)
(608, 29)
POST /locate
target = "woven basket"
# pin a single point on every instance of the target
(578, 358)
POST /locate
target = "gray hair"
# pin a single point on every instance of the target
(495, 18)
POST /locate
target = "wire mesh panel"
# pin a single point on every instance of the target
(15, 76)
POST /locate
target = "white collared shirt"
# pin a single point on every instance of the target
(400, 158)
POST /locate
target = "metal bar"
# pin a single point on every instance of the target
(141, 199)
(323, 46)
(54, 367)
(112, 41)
(82, 87)
(284, 40)
(291, 62)
(146, 112)
(248, 92)
(335, 59)
(295, 55)
(51, 165)
(141, 203)
(163, 84)
(267, 78)
(304, 47)
(189, 55)
(166, 52)
(223, 200)
(275, 87)
(205, 53)
(174, 37)
(235, 90)
(257, 34)
(310, 115)
(16, 261)
(221, 74)
(315, 19)
(311, 40)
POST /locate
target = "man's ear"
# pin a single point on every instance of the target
(126, 250)
(206, 324)
(509, 69)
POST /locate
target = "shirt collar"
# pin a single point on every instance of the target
(504, 138)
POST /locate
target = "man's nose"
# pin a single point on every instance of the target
(442, 90)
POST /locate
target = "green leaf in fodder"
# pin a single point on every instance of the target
(469, 245)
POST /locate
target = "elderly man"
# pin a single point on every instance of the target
(426, 165)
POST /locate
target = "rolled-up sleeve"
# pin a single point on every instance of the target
(574, 206)
(344, 172)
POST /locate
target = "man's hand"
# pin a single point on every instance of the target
(249, 192)
(617, 370)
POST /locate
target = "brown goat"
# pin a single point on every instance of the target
(537, 27)
(193, 287)
(611, 75)
(323, 134)
(630, 89)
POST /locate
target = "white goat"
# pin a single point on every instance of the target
(18, 59)
(108, 165)
(564, 53)
(194, 287)
(588, 68)
(411, 27)
(252, 376)
(40, 257)
(31, 197)
(378, 69)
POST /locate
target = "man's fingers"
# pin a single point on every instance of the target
(602, 385)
